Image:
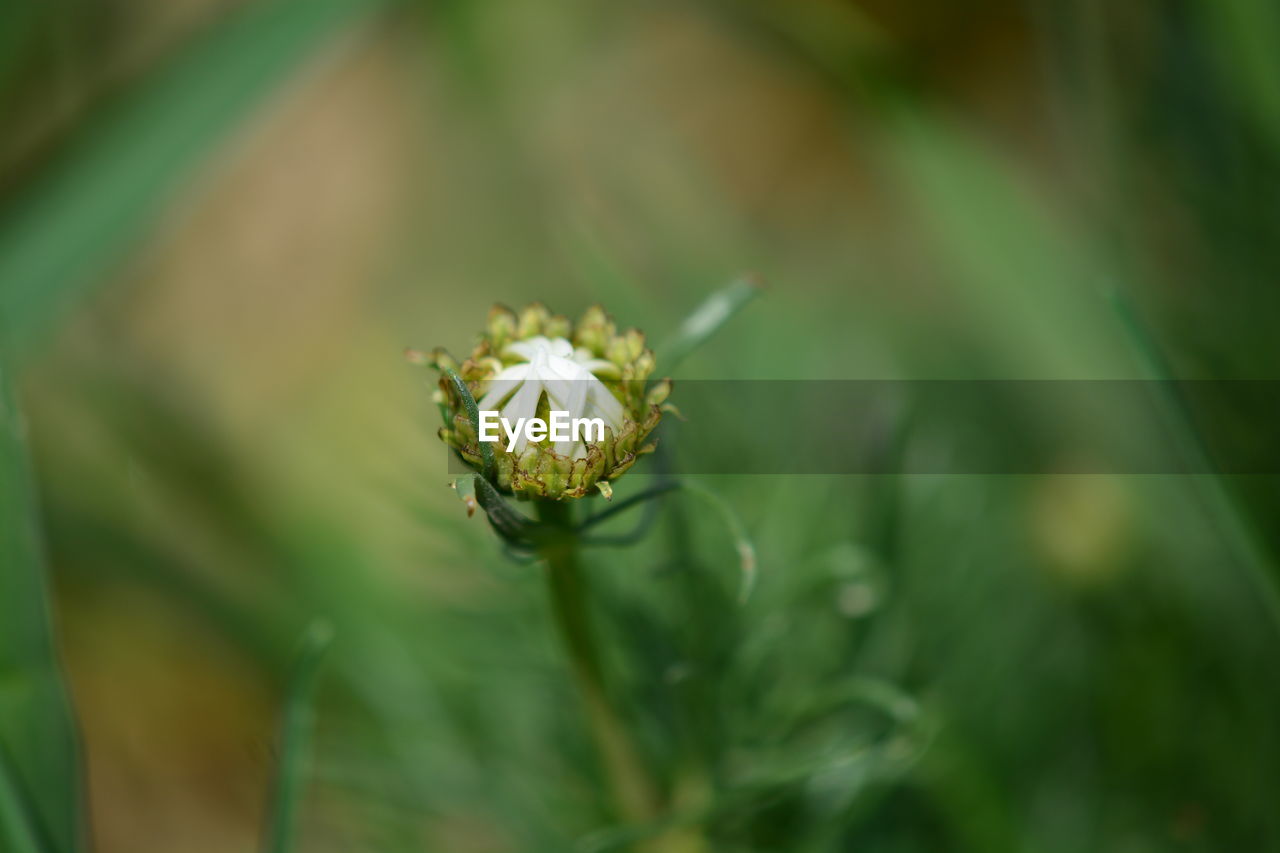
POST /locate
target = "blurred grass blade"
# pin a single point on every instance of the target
(1242, 35)
(603, 274)
(741, 539)
(67, 230)
(17, 834)
(295, 735)
(705, 321)
(37, 736)
(1034, 289)
(1238, 525)
(20, 24)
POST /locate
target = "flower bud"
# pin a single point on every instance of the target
(502, 326)
(532, 319)
(530, 364)
(557, 326)
(594, 331)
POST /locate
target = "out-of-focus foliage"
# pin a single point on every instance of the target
(95, 198)
(40, 792)
(222, 221)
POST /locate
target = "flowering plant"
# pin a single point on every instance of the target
(528, 366)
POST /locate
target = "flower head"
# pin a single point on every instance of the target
(529, 365)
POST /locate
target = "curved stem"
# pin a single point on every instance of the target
(634, 792)
(622, 506)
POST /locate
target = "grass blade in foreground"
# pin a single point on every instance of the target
(17, 835)
(102, 196)
(40, 786)
(295, 733)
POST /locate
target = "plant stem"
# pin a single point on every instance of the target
(634, 792)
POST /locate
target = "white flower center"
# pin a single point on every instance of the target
(567, 376)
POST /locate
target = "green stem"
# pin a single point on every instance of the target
(634, 793)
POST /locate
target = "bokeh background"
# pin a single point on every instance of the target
(221, 223)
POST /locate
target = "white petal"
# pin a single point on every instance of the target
(527, 349)
(523, 405)
(602, 402)
(502, 385)
(576, 406)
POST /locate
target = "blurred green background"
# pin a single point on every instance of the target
(221, 222)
